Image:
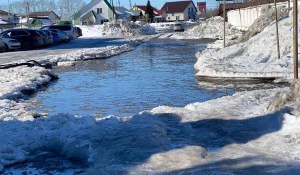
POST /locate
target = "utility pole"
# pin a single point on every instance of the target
(119, 3)
(27, 9)
(295, 37)
(129, 4)
(277, 34)
(224, 16)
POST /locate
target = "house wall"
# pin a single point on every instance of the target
(172, 17)
(192, 14)
(105, 15)
(135, 8)
(184, 16)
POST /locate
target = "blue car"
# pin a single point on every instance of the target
(56, 37)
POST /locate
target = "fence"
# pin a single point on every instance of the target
(243, 18)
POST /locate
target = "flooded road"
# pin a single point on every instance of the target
(156, 73)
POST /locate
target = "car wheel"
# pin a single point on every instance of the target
(6, 46)
(3, 49)
(27, 46)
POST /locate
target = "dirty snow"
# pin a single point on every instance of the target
(252, 132)
(211, 28)
(256, 57)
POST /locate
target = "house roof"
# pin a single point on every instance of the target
(176, 7)
(4, 13)
(43, 14)
(135, 12)
(144, 7)
(159, 12)
(78, 13)
(121, 10)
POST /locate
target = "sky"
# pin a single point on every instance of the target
(155, 3)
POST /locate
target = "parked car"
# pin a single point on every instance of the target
(11, 44)
(28, 38)
(63, 35)
(56, 37)
(79, 31)
(68, 28)
(178, 27)
(2, 46)
(48, 38)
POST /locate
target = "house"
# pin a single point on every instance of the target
(46, 17)
(180, 10)
(142, 8)
(6, 16)
(96, 12)
(122, 12)
(160, 16)
(7, 20)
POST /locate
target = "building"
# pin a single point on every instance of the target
(45, 17)
(180, 11)
(96, 12)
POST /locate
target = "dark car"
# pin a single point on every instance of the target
(67, 28)
(79, 31)
(64, 36)
(28, 38)
(48, 38)
(56, 37)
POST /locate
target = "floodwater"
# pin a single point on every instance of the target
(156, 73)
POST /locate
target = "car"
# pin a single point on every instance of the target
(29, 38)
(2, 46)
(178, 27)
(56, 37)
(79, 31)
(48, 38)
(68, 28)
(63, 35)
(11, 44)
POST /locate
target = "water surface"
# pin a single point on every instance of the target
(156, 73)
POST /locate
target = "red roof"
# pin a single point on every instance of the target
(176, 7)
(159, 12)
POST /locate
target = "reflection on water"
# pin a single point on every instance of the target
(156, 73)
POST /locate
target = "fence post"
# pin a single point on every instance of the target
(224, 16)
(295, 37)
(277, 34)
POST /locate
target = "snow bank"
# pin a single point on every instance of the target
(119, 28)
(256, 57)
(203, 135)
(211, 28)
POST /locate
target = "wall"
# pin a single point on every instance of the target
(243, 18)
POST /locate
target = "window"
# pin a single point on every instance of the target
(99, 10)
(189, 9)
(177, 18)
(172, 14)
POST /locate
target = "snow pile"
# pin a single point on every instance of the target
(256, 57)
(119, 28)
(207, 139)
(211, 28)
(291, 99)
(14, 81)
(86, 54)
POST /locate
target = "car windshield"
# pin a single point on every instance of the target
(178, 24)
